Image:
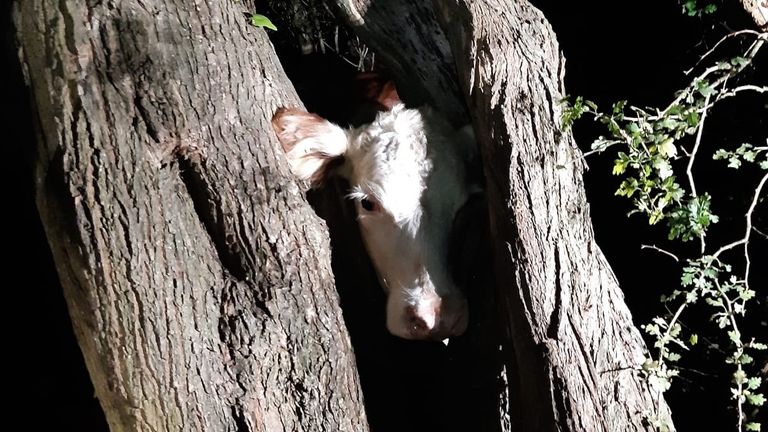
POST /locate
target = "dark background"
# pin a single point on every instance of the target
(615, 50)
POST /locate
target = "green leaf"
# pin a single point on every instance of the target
(619, 167)
(753, 383)
(756, 399)
(655, 217)
(739, 377)
(692, 118)
(694, 339)
(619, 106)
(571, 113)
(650, 364)
(600, 144)
(714, 302)
(260, 21)
(704, 88)
(692, 220)
(691, 296)
(734, 336)
(664, 168)
(723, 65)
(667, 148)
(627, 187)
(753, 427)
(739, 61)
(743, 148)
(690, 7)
(746, 294)
(668, 123)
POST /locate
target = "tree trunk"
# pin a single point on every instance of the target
(758, 11)
(571, 351)
(197, 277)
(405, 34)
(199, 280)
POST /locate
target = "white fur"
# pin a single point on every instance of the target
(312, 141)
(412, 165)
(304, 156)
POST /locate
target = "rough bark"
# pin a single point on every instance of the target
(758, 10)
(197, 277)
(405, 35)
(561, 300)
(571, 348)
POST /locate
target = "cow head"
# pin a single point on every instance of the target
(409, 177)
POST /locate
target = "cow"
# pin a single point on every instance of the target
(410, 173)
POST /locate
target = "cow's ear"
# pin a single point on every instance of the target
(313, 145)
(379, 90)
(388, 96)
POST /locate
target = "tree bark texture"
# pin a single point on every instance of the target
(571, 349)
(405, 35)
(197, 277)
(758, 11)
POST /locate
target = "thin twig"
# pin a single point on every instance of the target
(688, 90)
(732, 92)
(745, 239)
(692, 158)
(760, 232)
(658, 249)
(730, 311)
(696, 145)
(663, 347)
(748, 57)
(730, 35)
(591, 152)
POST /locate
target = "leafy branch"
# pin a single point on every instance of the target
(649, 142)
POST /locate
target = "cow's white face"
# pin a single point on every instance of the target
(408, 175)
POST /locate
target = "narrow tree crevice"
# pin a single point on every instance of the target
(454, 388)
(241, 423)
(211, 217)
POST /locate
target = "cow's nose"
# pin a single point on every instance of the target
(422, 322)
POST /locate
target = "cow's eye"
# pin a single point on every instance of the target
(369, 205)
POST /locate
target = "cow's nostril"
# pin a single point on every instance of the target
(418, 326)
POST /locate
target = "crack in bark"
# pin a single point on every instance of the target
(556, 317)
(146, 119)
(211, 217)
(240, 421)
(588, 362)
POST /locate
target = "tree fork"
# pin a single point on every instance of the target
(572, 351)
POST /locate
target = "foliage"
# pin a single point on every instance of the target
(693, 8)
(656, 150)
(262, 21)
